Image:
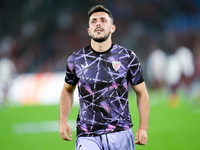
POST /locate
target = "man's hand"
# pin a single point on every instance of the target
(141, 137)
(64, 129)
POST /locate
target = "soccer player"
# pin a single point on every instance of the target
(102, 71)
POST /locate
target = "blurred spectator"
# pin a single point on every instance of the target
(156, 69)
(180, 72)
(7, 67)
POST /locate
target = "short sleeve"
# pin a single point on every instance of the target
(70, 76)
(135, 74)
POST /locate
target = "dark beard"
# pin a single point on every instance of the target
(101, 39)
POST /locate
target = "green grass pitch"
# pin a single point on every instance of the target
(169, 128)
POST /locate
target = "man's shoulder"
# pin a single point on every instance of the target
(77, 53)
(123, 50)
(83, 50)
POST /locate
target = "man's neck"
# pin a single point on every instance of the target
(101, 47)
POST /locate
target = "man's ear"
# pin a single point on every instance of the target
(113, 28)
(88, 31)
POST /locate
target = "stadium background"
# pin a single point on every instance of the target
(37, 36)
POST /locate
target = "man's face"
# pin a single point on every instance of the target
(100, 26)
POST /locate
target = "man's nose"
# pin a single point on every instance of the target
(98, 24)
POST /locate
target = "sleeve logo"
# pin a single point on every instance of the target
(116, 65)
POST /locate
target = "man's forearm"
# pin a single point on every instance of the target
(66, 102)
(143, 109)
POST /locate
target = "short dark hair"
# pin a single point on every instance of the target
(100, 8)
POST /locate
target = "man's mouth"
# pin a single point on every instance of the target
(98, 30)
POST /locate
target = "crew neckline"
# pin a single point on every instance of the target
(103, 51)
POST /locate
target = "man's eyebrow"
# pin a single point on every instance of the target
(103, 18)
(95, 18)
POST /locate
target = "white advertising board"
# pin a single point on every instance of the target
(38, 89)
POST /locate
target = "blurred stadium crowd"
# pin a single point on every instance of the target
(39, 35)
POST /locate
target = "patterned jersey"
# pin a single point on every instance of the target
(102, 80)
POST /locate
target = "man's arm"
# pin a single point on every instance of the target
(66, 102)
(143, 109)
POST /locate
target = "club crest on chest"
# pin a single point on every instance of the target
(116, 65)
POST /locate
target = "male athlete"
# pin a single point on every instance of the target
(102, 71)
